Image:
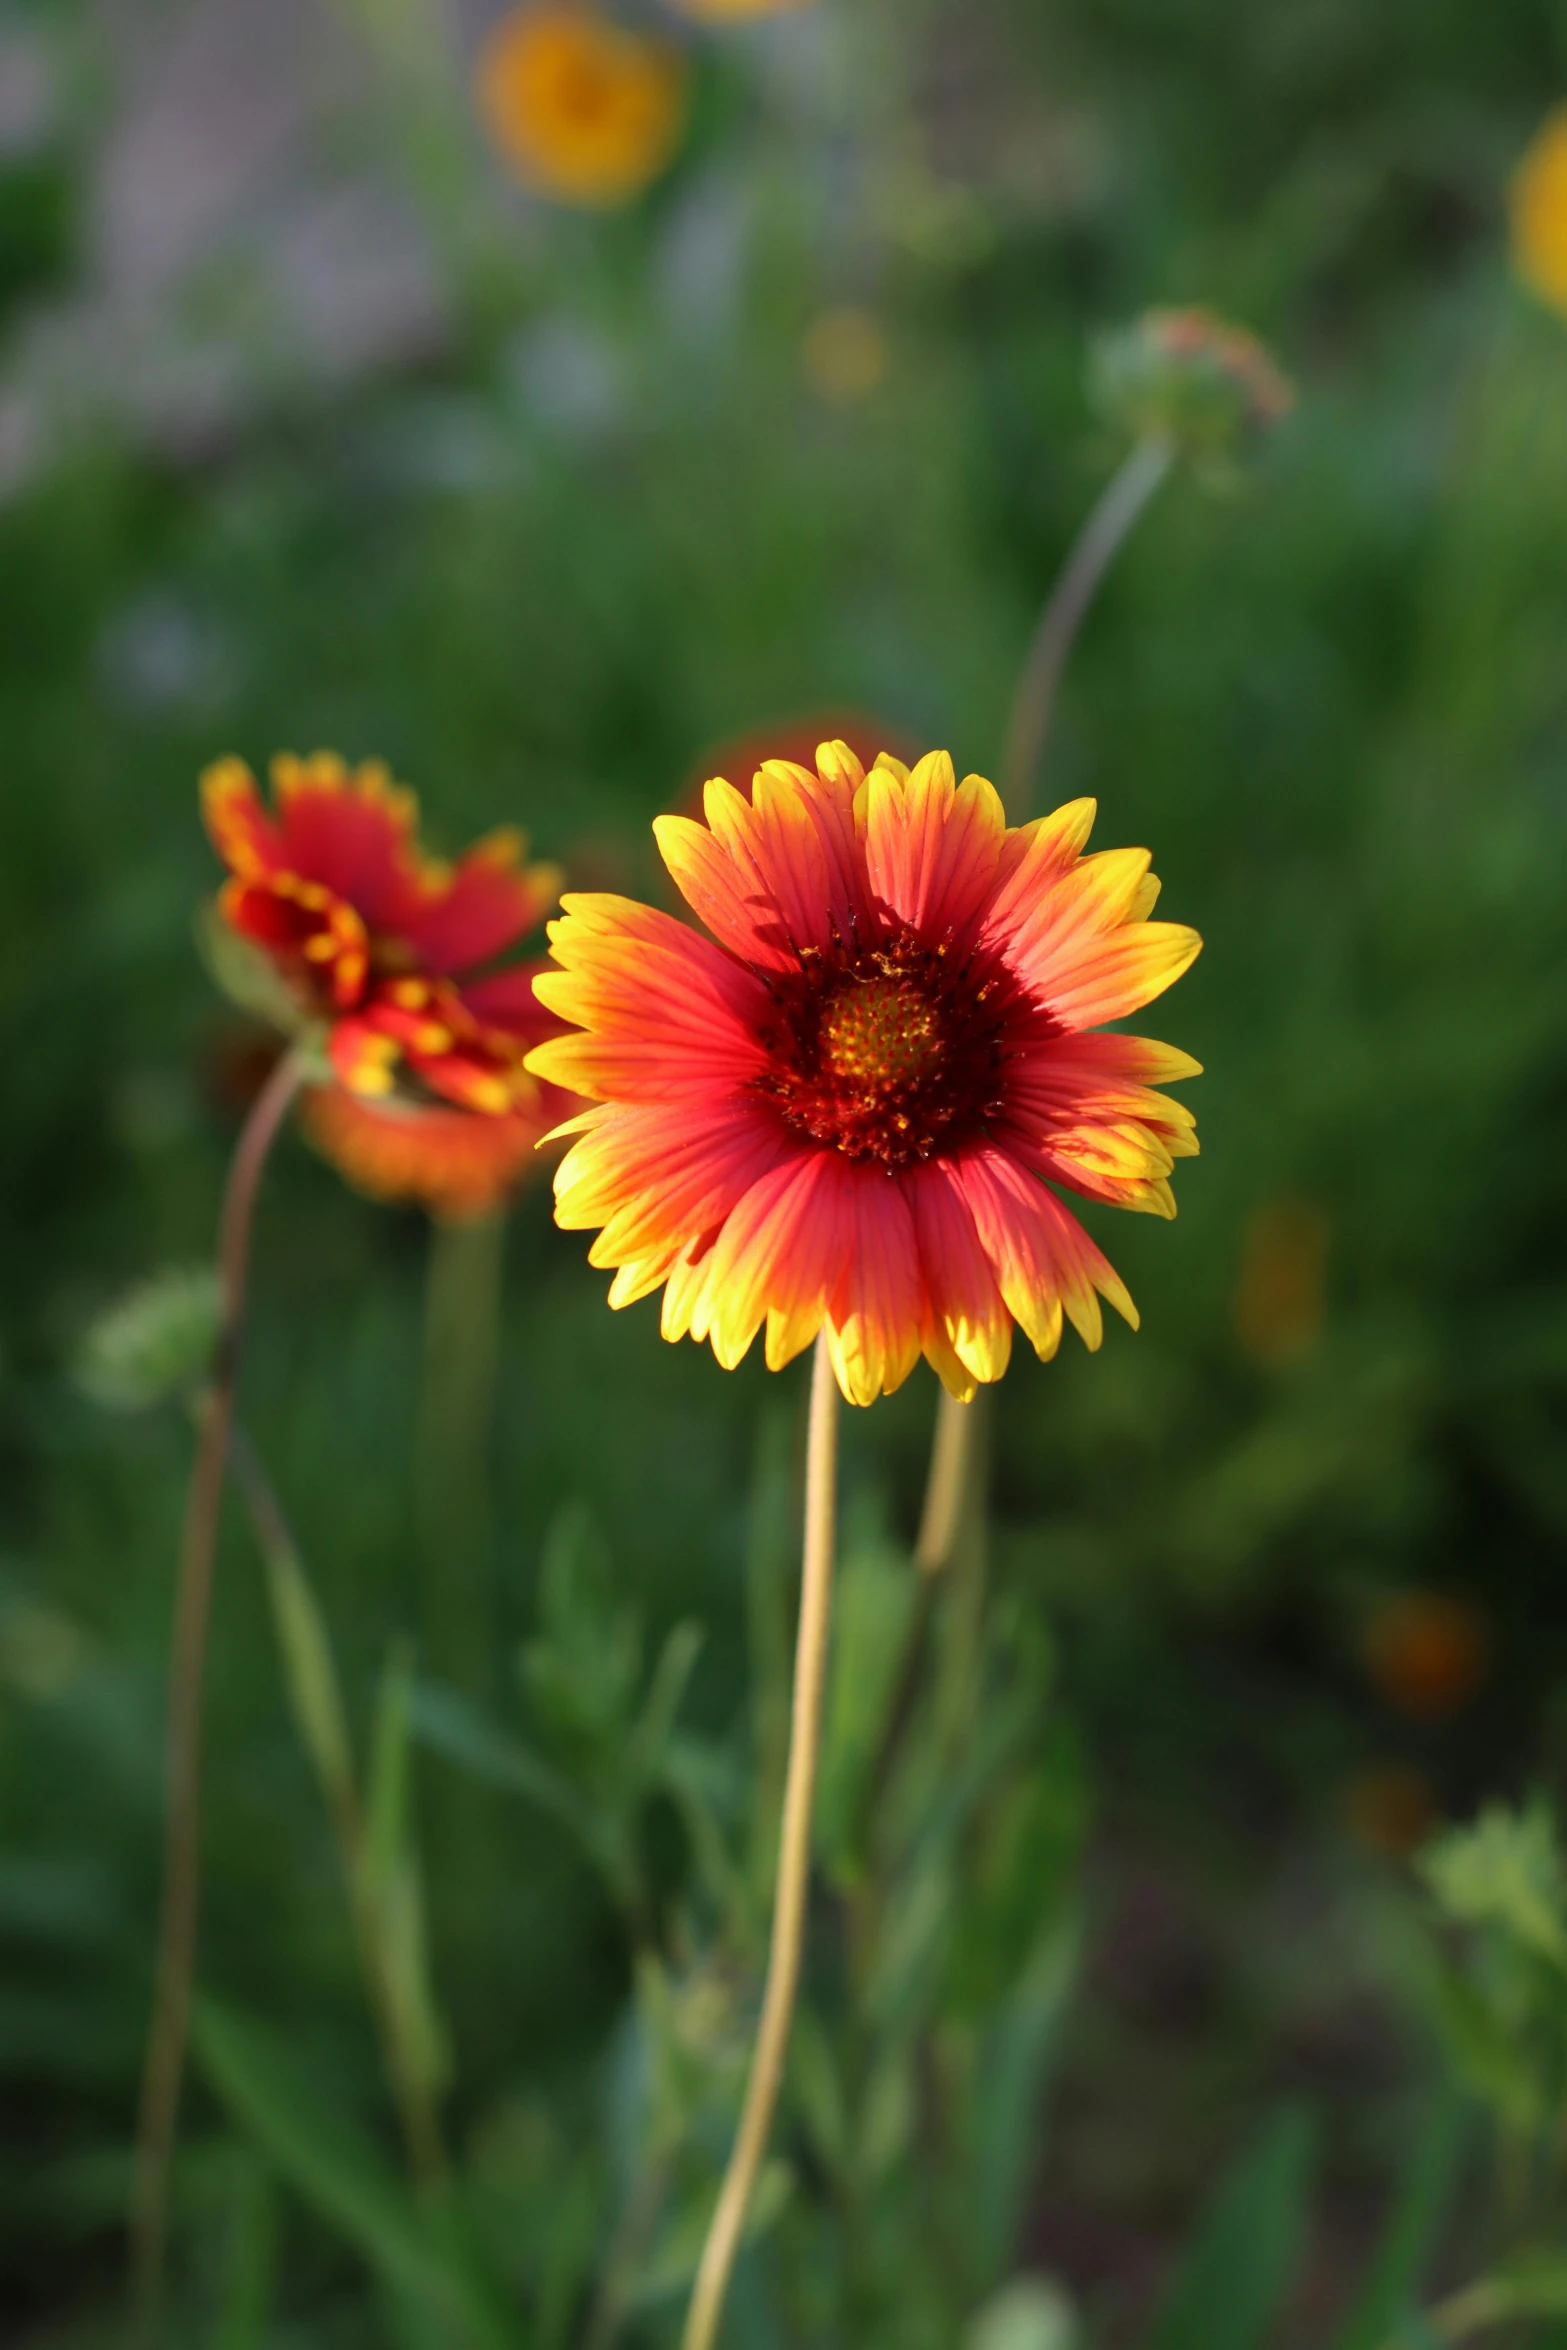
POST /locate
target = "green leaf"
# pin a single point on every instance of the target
(1237, 2270)
(655, 1724)
(1504, 1871)
(872, 1611)
(310, 1672)
(451, 1725)
(386, 1808)
(1492, 2058)
(154, 1343)
(246, 2309)
(703, 1785)
(1008, 2091)
(329, 2164)
(246, 975)
(1392, 2284)
(584, 1669)
(393, 1890)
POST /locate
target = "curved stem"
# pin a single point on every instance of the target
(946, 1485)
(165, 2061)
(794, 1867)
(1098, 542)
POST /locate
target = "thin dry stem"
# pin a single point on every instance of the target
(1096, 547)
(794, 1868)
(165, 2061)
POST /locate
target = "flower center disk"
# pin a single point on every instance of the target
(878, 1035)
(890, 1052)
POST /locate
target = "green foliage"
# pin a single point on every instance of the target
(1240, 2264)
(1501, 2001)
(1505, 1873)
(154, 1343)
(1389, 2294)
(340, 2175)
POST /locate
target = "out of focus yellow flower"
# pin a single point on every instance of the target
(581, 108)
(844, 354)
(1539, 208)
(1280, 1297)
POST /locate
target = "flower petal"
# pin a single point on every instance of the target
(776, 873)
(485, 904)
(656, 1176)
(932, 850)
(967, 1316)
(1043, 1258)
(452, 1163)
(778, 1259)
(351, 829)
(875, 1317)
(664, 1012)
(238, 825)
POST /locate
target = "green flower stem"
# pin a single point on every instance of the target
(946, 1484)
(1102, 536)
(165, 2060)
(1098, 543)
(794, 1867)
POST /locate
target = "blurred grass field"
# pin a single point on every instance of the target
(803, 429)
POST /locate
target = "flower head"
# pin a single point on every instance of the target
(846, 1108)
(392, 956)
(1539, 209)
(582, 109)
(1190, 378)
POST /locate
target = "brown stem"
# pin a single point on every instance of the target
(1097, 544)
(165, 2060)
(794, 1868)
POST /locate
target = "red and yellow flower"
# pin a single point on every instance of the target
(396, 959)
(848, 1107)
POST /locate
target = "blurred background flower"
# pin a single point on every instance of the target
(1539, 209)
(1191, 379)
(581, 107)
(1429, 1655)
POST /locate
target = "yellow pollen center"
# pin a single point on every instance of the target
(879, 1034)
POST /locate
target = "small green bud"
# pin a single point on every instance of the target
(157, 1342)
(1032, 2313)
(1187, 378)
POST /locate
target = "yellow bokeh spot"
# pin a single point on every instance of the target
(844, 354)
(579, 107)
(1539, 213)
